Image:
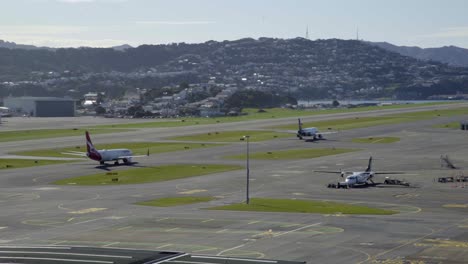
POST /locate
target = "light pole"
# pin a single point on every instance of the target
(247, 200)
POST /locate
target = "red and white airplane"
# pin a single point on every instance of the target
(104, 155)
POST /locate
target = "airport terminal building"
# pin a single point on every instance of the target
(41, 106)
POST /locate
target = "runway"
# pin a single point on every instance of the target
(432, 225)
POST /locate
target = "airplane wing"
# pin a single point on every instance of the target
(74, 153)
(129, 157)
(134, 156)
(327, 132)
(337, 172)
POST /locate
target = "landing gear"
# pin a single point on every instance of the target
(101, 162)
(116, 162)
(125, 161)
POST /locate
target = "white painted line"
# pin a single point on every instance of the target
(294, 230)
(229, 249)
(172, 229)
(253, 222)
(38, 247)
(3, 227)
(110, 244)
(240, 259)
(164, 246)
(61, 260)
(162, 219)
(221, 231)
(66, 253)
(123, 228)
(208, 220)
(170, 259)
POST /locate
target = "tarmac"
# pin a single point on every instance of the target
(432, 226)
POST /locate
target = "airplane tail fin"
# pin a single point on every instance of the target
(369, 166)
(89, 144)
(299, 123)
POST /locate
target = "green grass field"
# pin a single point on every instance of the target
(23, 163)
(293, 154)
(19, 135)
(376, 140)
(146, 175)
(254, 114)
(302, 206)
(176, 201)
(138, 148)
(234, 136)
(362, 122)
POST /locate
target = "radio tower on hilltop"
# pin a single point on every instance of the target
(307, 32)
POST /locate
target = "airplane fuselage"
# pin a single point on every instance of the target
(112, 155)
(358, 178)
(309, 132)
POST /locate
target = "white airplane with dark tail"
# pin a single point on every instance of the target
(358, 178)
(104, 155)
(310, 132)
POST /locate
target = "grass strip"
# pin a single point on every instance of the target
(302, 206)
(24, 163)
(150, 174)
(376, 140)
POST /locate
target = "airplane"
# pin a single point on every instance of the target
(104, 155)
(310, 132)
(360, 177)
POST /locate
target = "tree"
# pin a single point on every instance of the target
(335, 103)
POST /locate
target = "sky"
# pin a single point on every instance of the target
(106, 23)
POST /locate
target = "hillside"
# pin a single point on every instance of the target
(300, 67)
(451, 55)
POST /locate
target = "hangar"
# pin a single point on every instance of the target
(41, 106)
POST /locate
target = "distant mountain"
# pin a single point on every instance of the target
(122, 47)
(13, 45)
(330, 68)
(451, 55)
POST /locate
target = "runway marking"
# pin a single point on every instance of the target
(207, 220)
(294, 230)
(88, 210)
(110, 244)
(97, 219)
(70, 219)
(193, 191)
(123, 228)
(164, 246)
(172, 229)
(3, 227)
(59, 242)
(418, 239)
(162, 219)
(221, 231)
(253, 222)
(2, 241)
(229, 249)
(205, 249)
(299, 194)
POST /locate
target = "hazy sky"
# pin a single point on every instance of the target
(104, 23)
